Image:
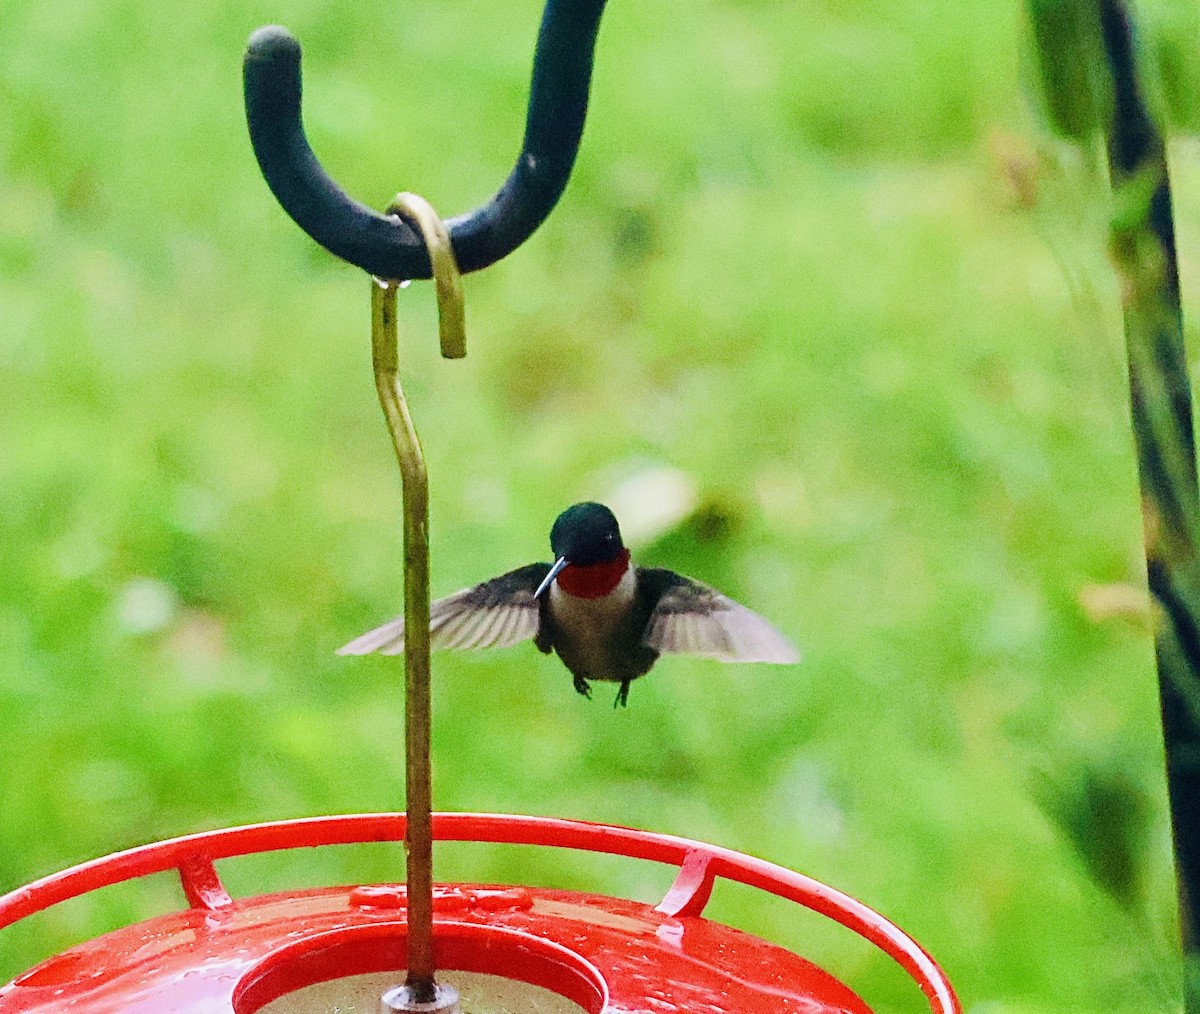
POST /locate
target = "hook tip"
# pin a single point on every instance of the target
(272, 42)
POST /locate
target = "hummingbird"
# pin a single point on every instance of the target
(604, 617)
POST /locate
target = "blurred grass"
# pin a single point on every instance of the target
(825, 259)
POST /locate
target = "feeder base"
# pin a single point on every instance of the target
(402, 1000)
(600, 953)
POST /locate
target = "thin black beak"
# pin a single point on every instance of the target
(549, 578)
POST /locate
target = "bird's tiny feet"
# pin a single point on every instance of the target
(622, 698)
(582, 687)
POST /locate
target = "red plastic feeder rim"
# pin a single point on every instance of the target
(192, 856)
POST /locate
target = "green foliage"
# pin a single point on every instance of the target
(1171, 29)
(1082, 797)
(816, 256)
(1072, 74)
(1071, 63)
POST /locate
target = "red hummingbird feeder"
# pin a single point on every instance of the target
(466, 948)
(507, 949)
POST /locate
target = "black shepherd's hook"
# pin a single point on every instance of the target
(388, 247)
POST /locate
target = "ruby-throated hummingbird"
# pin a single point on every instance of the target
(606, 619)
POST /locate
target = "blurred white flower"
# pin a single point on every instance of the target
(145, 605)
(651, 502)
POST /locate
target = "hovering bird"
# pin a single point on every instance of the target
(607, 619)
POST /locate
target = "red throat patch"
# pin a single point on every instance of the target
(596, 580)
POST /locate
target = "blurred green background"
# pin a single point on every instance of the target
(825, 261)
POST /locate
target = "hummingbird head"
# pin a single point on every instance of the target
(586, 534)
(586, 543)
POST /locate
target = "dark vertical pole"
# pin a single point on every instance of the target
(1143, 249)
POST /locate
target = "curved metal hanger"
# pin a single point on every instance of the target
(390, 248)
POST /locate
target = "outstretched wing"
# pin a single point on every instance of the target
(692, 619)
(493, 614)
